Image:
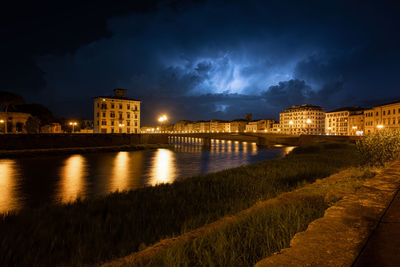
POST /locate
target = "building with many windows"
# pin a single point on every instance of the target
(386, 116)
(116, 114)
(304, 119)
(344, 121)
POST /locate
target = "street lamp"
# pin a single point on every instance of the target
(73, 124)
(380, 126)
(162, 119)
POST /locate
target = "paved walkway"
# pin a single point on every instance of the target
(383, 247)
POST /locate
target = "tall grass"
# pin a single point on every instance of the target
(246, 241)
(92, 231)
(379, 147)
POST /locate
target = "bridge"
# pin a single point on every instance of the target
(261, 139)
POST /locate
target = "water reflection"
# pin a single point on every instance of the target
(8, 185)
(288, 149)
(72, 180)
(120, 172)
(163, 169)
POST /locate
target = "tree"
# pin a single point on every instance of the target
(8, 99)
(32, 125)
(36, 110)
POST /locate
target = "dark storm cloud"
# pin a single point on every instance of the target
(204, 59)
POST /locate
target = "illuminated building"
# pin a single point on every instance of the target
(304, 119)
(16, 122)
(238, 125)
(116, 114)
(344, 121)
(385, 116)
(263, 126)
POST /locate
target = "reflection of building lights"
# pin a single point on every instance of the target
(120, 172)
(8, 178)
(288, 149)
(163, 168)
(72, 178)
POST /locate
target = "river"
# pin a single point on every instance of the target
(35, 181)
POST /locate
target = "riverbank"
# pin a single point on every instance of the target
(93, 231)
(245, 238)
(76, 150)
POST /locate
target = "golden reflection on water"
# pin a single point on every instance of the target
(120, 172)
(253, 148)
(8, 184)
(72, 182)
(288, 149)
(163, 168)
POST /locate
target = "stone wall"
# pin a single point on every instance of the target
(37, 141)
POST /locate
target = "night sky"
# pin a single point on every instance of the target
(202, 59)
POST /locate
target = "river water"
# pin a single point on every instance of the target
(35, 181)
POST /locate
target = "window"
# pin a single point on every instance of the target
(112, 130)
(98, 114)
(388, 112)
(128, 115)
(112, 123)
(103, 106)
(128, 106)
(135, 116)
(103, 122)
(98, 105)
(120, 116)
(377, 113)
(112, 106)
(98, 122)
(135, 123)
(136, 108)
(112, 114)
(120, 106)
(104, 114)
(128, 123)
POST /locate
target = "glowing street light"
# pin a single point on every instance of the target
(73, 124)
(1, 121)
(308, 121)
(291, 122)
(380, 126)
(162, 118)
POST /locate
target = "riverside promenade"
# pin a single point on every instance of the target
(383, 246)
(363, 229)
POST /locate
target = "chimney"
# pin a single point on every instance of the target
(120, 93)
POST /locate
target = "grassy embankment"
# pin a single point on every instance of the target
(265, 229)
(93, 231)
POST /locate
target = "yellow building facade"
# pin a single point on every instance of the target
(304, 119)
(116, 114)
(344, 121)
(385, 116)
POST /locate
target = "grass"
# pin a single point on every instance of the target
(264, 230)
(93, 231)
(246, 241)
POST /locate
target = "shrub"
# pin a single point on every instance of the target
(379, 147)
